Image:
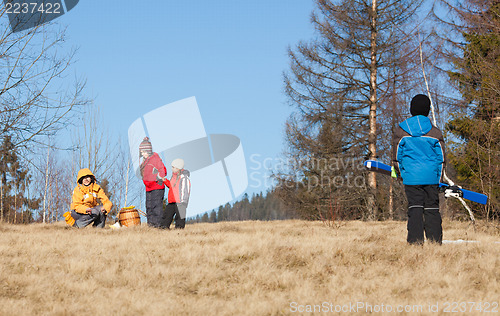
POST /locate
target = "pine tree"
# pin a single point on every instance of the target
(16, 207)
(476, 156)
(213, 217)
(204, 218)
(220, 214)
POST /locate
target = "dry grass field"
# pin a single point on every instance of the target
(247, 268)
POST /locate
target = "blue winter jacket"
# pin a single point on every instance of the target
(419, 151)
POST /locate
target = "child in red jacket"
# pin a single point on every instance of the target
(178, 195)
(151, 167)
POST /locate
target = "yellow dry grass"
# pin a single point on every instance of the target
(243, 268)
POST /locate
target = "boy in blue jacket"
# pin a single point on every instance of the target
(418, 153)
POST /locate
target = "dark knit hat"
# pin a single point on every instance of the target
(146, 146)
(420, 105)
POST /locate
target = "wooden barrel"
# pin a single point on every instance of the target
(129, 218)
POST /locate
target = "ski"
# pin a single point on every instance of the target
(454, 191)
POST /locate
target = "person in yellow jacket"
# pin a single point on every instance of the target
(87, 197)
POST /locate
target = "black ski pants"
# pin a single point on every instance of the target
(423, 214)
(154, 207)
(177, 210)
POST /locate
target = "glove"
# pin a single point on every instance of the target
(393, 172)
(453, 191)
(159, 179)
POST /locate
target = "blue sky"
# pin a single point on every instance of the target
(230, 55)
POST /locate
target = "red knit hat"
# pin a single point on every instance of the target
(146, 146)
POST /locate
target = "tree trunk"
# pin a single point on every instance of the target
(391, 199)
(372, 136)
(1, 200)
(126, 183)
(53, 205)
(393, 127)
(46, 184)
(15, 208)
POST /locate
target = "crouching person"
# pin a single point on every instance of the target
(85, 205)
(178, 195)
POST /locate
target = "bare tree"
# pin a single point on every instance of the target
(34, 97)
(53, 182)
(372, 116)
(94, 147)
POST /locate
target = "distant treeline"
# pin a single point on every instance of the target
(264, 207)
